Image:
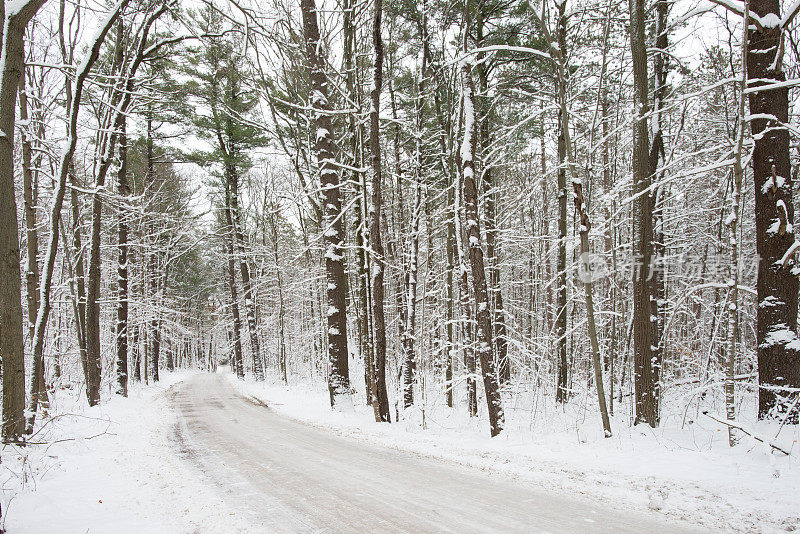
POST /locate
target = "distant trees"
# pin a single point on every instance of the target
(218, 72)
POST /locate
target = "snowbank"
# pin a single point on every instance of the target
(110, 468)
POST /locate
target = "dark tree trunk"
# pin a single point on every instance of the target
(777, 286)
(12, 352)
(484, 334)
(644, 304)
(247, 285)
(333, 226)
(104, 155)
(492, 240)
(38, 390)
(562, 391)
(237, 364)
(378, 379)
(122, 267)
(152, 264)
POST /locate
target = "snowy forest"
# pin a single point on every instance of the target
(401, 244)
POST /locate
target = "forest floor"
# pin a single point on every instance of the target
(127, 465)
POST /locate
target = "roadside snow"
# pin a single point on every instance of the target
(684, 470)
(110, 468)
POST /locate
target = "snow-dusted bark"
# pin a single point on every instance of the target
(11, 319)
(380, 399)
(333, 227)
(778, 346)
(484, 335)
(645, 310)
(465, 307)
(562, 391)
(492, 228)
(38, 390)
(584, 226)
(121, 329)
(247, 284)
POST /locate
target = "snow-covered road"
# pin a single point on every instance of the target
(284, 476)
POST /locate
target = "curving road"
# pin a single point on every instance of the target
(285, 476)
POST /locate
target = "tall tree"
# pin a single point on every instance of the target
(644, 300)
(333, 226)
(776, 325)
(484, 321)
(12, 61)
(218, 70)
(380, 399)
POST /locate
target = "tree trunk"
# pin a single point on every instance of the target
(562, 392)
(247, 286)
(484, 333)
(777, 287)
(409, 359)
(154, 334)
(333, 228)
(492, 240)
(12, 351)
(644, 300)
(237, 364)
(103, 157)
(733, 219)
(281, 306)
(585, 225)
(38, 390)
(122, 266)
(657, 160)
(380, 398)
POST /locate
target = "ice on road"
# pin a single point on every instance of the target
(284, 476)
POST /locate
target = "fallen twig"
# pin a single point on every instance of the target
(748, 432)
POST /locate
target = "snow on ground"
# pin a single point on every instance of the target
(110, 468)
(684, 469)
(118, 467)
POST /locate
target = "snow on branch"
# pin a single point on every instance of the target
(505, 48)
(734, 7)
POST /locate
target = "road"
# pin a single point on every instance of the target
(285, 476)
